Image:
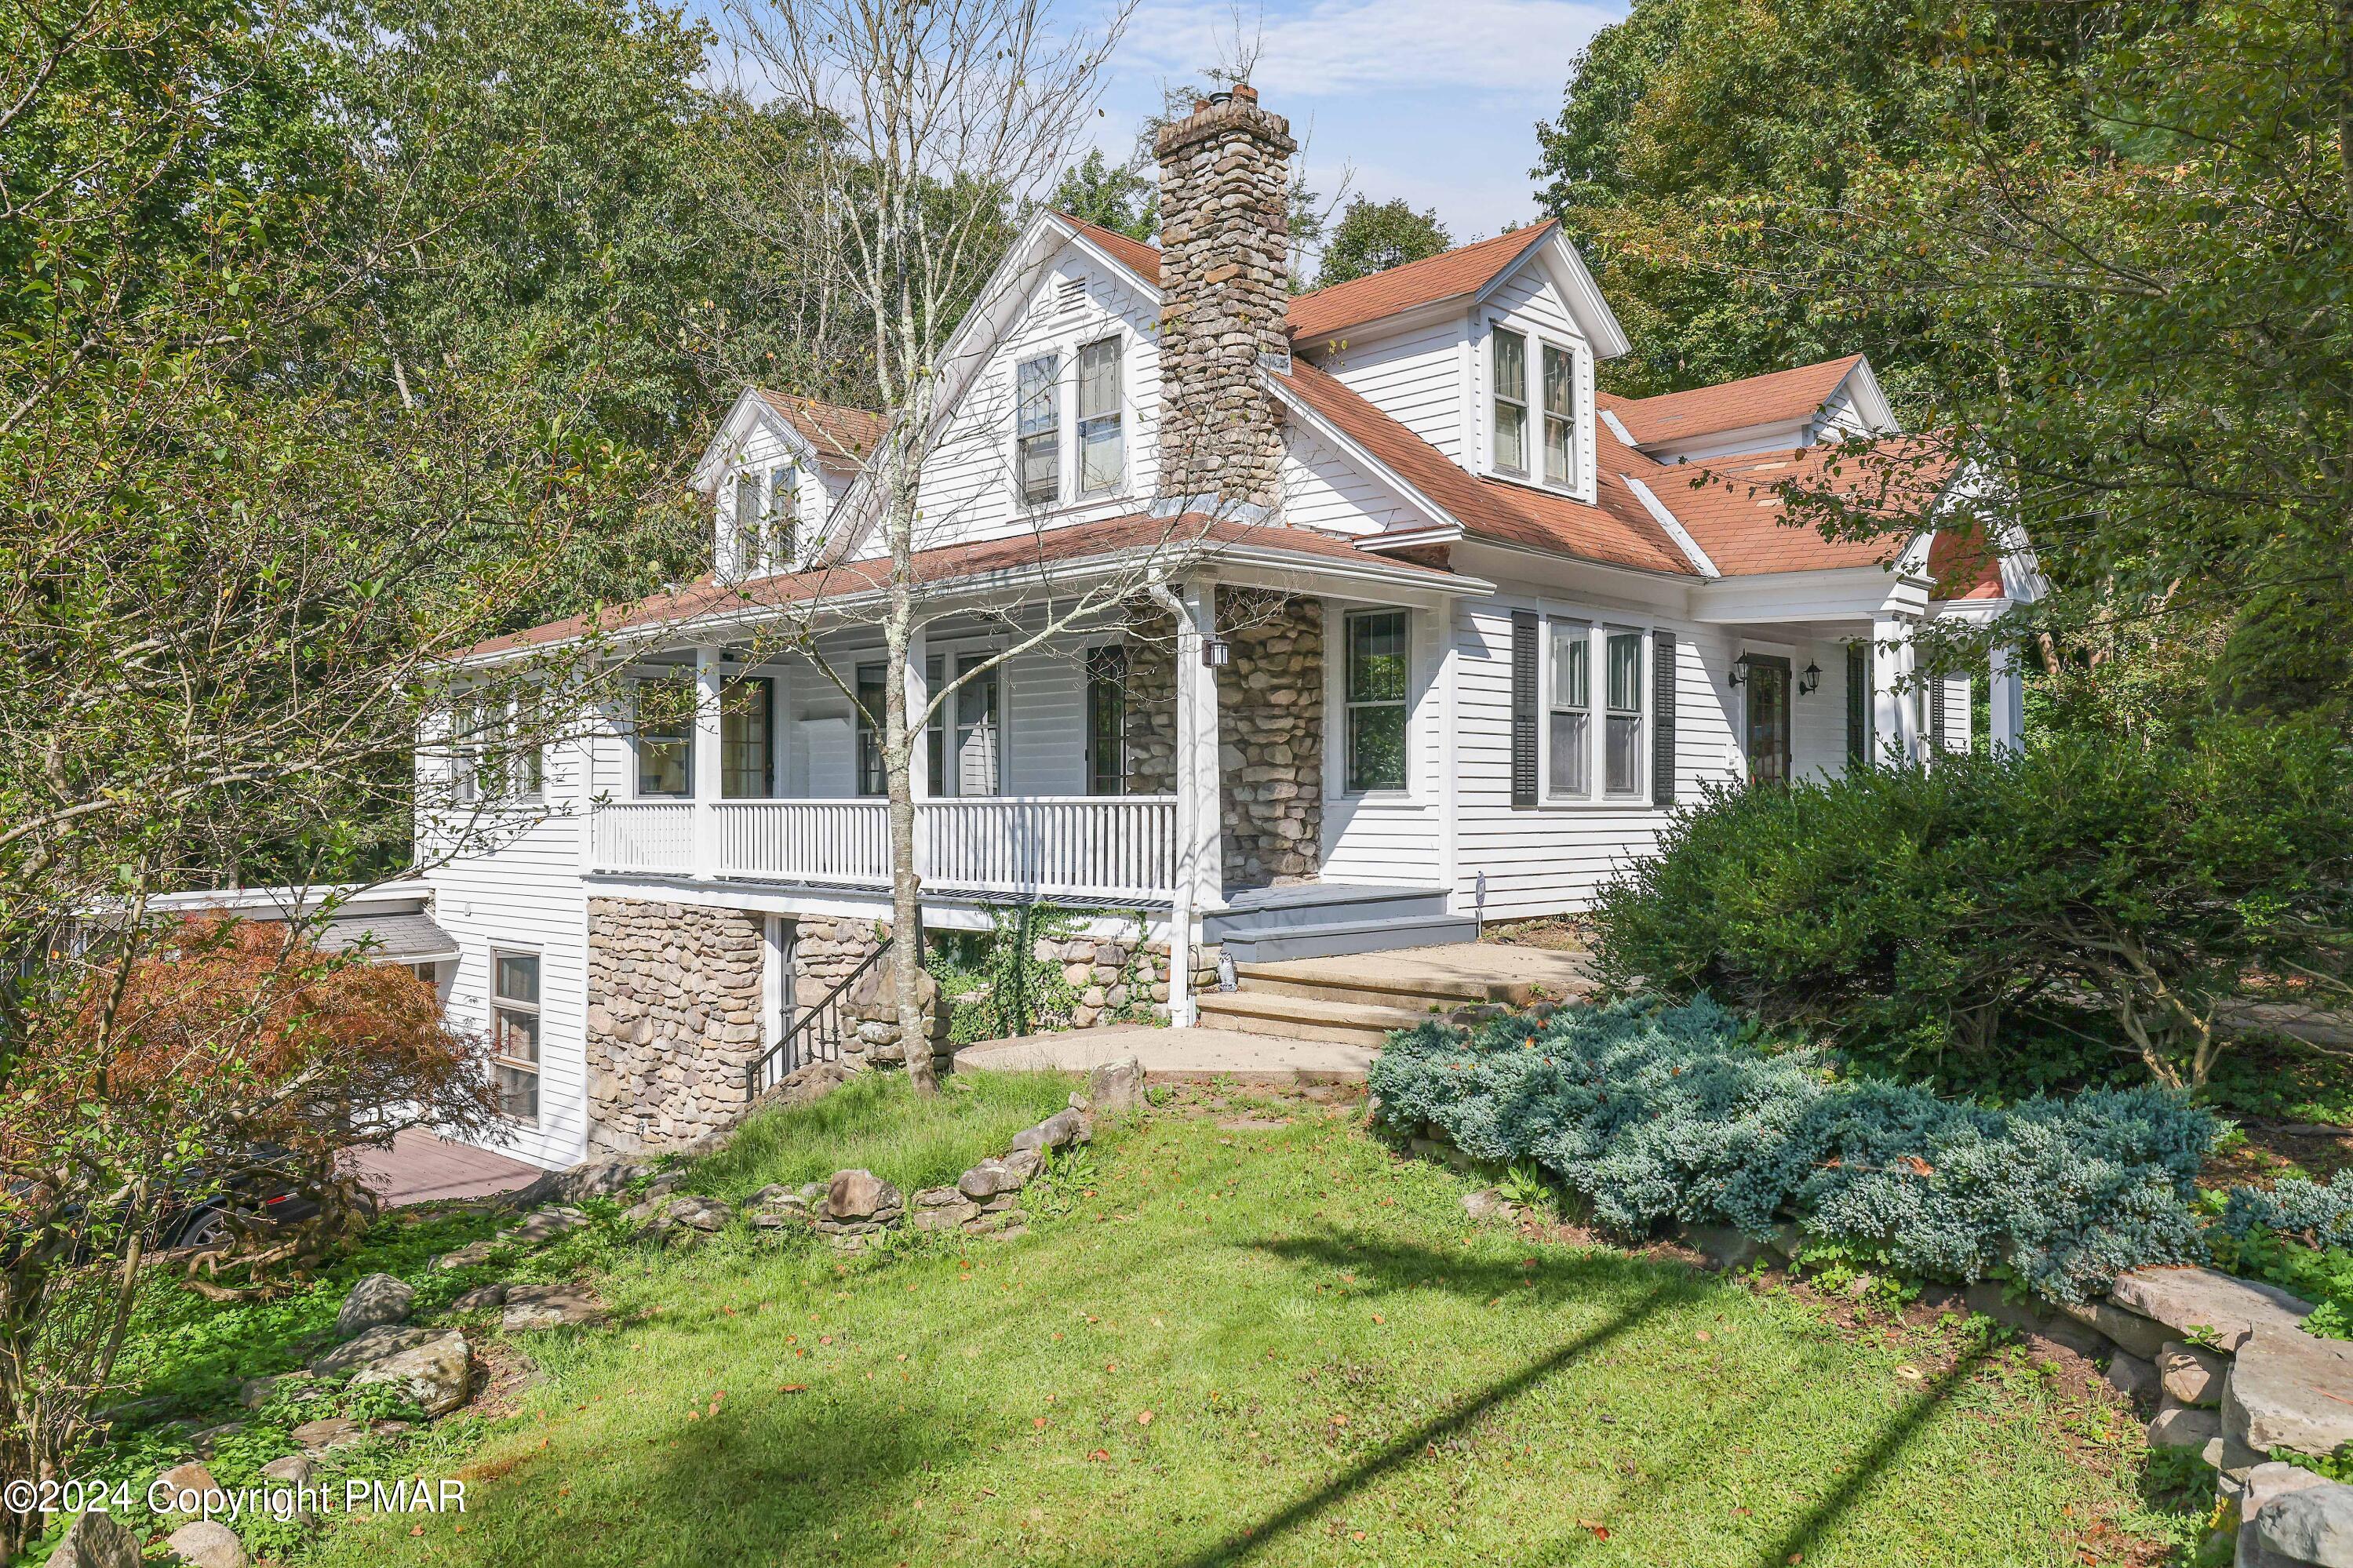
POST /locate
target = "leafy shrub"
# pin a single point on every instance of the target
(1653, 1112)
(2010, 921)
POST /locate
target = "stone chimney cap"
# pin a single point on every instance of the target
(1236, 108)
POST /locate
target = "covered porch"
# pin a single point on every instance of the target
(1187, 746)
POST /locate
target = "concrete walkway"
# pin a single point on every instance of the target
(1171, 1055)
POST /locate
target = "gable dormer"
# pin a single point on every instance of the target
(1458, 348)
(1780, 411)
(776, 472)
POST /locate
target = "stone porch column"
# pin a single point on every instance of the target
(2006, 717)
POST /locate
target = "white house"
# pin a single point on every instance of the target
(1457, 634)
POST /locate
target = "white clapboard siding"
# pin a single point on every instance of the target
(1551, 859)
(1325, 489)
(528, 896)
(1415, 377)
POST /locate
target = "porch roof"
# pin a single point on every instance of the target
(1192, 538)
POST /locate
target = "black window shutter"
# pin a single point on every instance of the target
(1525, 699)
(1858, 705)
(1662, 725)
(1935, 710)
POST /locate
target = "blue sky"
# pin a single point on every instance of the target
(1434, 101)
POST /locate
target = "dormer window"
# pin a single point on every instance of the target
(1559, 417)
(783, 541)
(747, 520)
(1101, 450)
(1038, 429)
(1510, 379)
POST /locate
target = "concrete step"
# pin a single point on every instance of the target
(1347, 983)
(1299, 1018)
(1269, 944)
(1320, 904)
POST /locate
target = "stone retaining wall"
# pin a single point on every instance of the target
(673, 1023)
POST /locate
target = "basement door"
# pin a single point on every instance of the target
(1768, 686)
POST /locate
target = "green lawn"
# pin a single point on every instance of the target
(1280, 1346)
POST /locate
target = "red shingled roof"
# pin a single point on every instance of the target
(1777, 398)
(1732, 506)
(1465, 270)
(1192, 534)
(1133, 254)
(1621, 531)
(842, 436)
(1320, 312)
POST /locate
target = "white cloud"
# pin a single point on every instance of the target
(1333, 48)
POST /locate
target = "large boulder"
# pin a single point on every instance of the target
(860, 1195)
(328, 1432)
(546, 1224)
(2184, 1426)
(599, 1178)
(2267, 1483)
(2311, 1526)
(2192, 1376)
(532, 1307)
(1057, 1132)
(182, 1489)
(292, 1470)
(2288, 1390)
(96, 1541)
(2129, 1332)
(2187, 1300)
(1116, 1088)
(378, 1300)
(435, 1375)
(207, 1543)
(472, 1255)
(692, 1217)
(373, 1345)
(987, 1179)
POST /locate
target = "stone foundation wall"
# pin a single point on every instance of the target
(1270, 728)
(674, 1000)
(824, 952)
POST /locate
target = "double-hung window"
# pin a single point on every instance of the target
(495, 761)
(782, 543)
(872, 777)
(1038, 429)
(747, 758)
(978, 756)
(1375, 696)
(1101, 450)
(1559, 416)
(1107, 719)
(664, 727)
(1622, 693)
(1509, 366)
(1571, 725)
(514, 1032)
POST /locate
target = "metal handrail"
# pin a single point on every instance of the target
(816, 1035)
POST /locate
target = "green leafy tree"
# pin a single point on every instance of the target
(1114, 196)
(1372, 236)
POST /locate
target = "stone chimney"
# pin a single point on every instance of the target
(1224, 217)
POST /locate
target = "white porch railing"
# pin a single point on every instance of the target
(804, 840)
(1102, 846)
(1107, 847)
(645, 835)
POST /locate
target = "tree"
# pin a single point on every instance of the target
(1375, 237)
(236, 557)
(1121, 197)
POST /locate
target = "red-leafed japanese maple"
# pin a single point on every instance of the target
(158, 1084)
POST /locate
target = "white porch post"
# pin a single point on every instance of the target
(2006, 717)
(705, 756)
(1893, 716)
(918, 766)
(583, 752)
(1200, 850)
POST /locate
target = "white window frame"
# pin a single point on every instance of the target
(1644, 710)
(1541, 413)
(1600, 625)
(637, 740)
(780, 546)
(1497, 394)
(1054, 357)
(1584, 631)
(1337, 700)
(1538, 342)
(536, 1008)
(470, 757)
(1116, 417)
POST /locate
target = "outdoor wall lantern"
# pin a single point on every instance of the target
(1739, 674)
(1216, 652)
(1809, 679)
